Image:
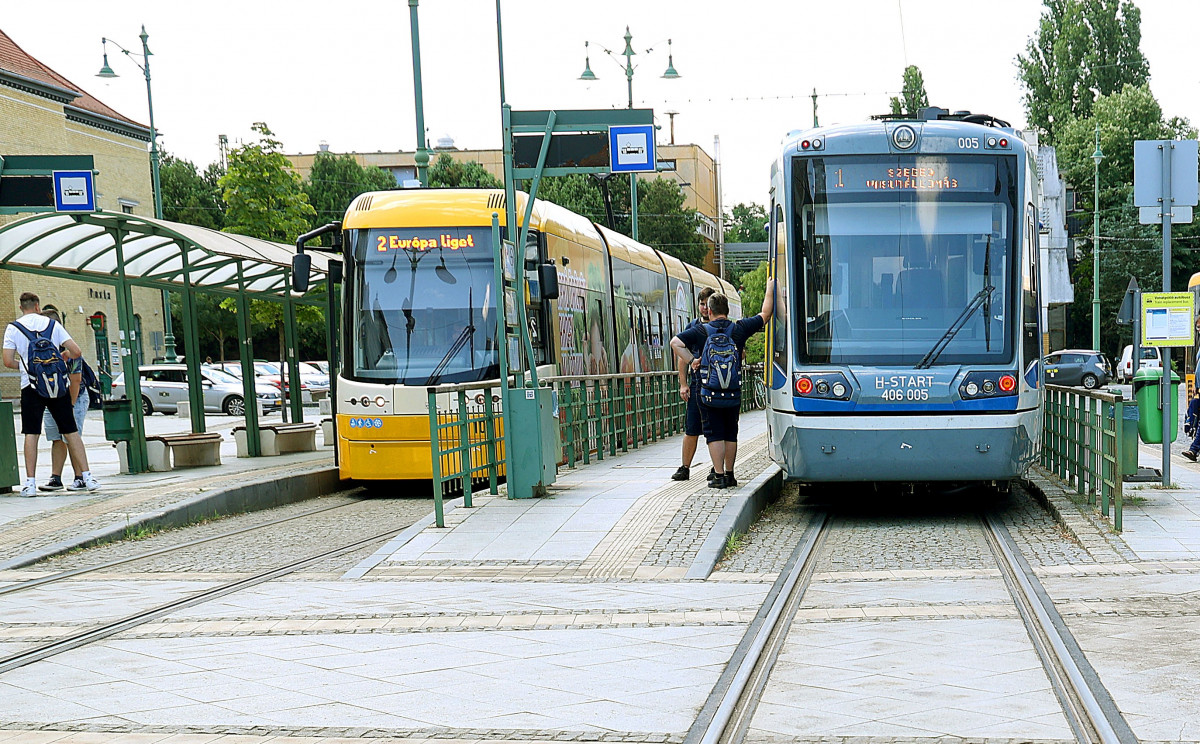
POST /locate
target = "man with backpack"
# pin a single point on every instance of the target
(82, 381)
(692, 426)
(39, 342)
(722, 344)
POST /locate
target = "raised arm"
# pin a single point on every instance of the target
(768, 307)
(685, 359)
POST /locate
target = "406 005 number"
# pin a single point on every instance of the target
(905, 394)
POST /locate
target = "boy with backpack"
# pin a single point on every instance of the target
(723, 343)
(83, 384)
(692, 425)
(45, 386)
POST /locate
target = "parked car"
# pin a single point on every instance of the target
(1087, 368)
(164, 385)
(322, 367)
(1150, 359)
(267, 372)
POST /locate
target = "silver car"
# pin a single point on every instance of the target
(164, 385)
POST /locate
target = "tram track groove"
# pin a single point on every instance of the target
(71, 573)
(24, 658)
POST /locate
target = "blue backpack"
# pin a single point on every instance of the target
(45, 365)
(720, 369)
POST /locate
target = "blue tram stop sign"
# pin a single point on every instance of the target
(631, 149)
(74, 191)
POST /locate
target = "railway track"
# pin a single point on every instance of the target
(132, 620)
(1089, 710)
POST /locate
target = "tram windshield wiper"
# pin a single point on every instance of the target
(465, 335)
(931, 356)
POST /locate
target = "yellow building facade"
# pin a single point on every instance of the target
(44, 114)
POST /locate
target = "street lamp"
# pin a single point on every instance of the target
(589, 76)
(1097, 156)
(144, 66)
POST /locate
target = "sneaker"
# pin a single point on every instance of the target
(711, 474)
(682, 474)
(718, 481)
(1189, 455)
(29, 490)
(91, 484)
(730, 481)
(54, 484)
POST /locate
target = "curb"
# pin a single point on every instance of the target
(739, 514)
(1089, 530)
(247, 497)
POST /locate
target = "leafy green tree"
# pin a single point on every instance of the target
(664, 223)
(215, 324)
(1083, 49)
(746, 223)
(578, 192)
(189, 196)
(1127, 248)
(912, 96)
(263, 196)
(448, 173)
(753, 289)
(336, 180)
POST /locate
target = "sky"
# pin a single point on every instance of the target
(318, 71)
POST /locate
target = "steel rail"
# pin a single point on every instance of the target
(43, 580)
(1090, 710)
(24, 658)
(736, 706)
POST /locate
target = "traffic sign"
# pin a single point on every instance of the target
(1148, 172)
(631, 149)
(1153, 215)
(74, 191)
(1167, 318)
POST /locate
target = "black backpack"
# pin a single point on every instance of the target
(90, 383)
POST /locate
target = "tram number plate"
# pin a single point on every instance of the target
(904, 388)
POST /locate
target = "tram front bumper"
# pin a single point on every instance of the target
(905, 449)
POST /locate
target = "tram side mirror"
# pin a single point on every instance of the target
(335, 272)
(548, 279)
(301, 267)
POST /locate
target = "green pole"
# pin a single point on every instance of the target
(246, 357)
(295, 399)
(168, 331)
(1097, 156)
(129, 361)
(422, 155)
(191, 346)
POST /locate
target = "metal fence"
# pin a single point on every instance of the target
(1081, 444)
(598, 416)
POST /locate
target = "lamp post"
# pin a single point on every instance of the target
(422, 154)
(144, 66)
(1097, 156)
(589, 76)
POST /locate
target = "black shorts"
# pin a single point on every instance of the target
(34, 405)
(720, 424)
(693, 422)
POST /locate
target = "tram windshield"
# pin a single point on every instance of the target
(424, 308)
(897, 253)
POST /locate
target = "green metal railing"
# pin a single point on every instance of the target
(598, 416)
(466, 441)
(1081, 444)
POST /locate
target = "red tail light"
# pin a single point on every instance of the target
(1008, 383)
(804, 386)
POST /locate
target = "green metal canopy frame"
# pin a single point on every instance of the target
(125, 250)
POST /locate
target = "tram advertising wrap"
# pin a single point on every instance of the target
(906, 342)
(419, 309)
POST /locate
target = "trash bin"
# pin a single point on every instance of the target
(1129, 437)
(9, 474)
(1145, 392)
(118, 420)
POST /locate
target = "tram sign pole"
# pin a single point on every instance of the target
(1165, 179)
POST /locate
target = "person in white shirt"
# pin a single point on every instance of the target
(33, 405)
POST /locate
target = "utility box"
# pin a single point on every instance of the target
(10, 476)
(1129, 437)
(533, 460)
(1145, 392)
(118, 420)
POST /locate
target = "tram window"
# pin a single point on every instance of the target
(661, 337)
(779, 334)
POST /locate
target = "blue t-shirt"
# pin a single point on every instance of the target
(694, 336)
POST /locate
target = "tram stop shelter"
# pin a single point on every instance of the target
(125, 250)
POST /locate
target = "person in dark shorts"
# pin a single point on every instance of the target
(33, 405)
(720, 424)
(58, 447)
(692, 426)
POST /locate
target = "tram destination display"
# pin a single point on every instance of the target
(930, 174)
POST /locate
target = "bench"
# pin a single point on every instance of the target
(278, 439)
(168, 451)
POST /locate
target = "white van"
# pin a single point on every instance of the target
(1150, 359)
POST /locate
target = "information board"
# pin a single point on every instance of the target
(1167, 319)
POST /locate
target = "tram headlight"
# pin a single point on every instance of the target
(822, 387)
(988, 386)
(972, 389)
(839, 390)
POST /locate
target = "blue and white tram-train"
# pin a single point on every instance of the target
(907, 334)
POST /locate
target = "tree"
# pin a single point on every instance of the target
(665, 224)
(912, 96)
(746, 223)
(754, 288)
(336, 180)
(1083, 49)
(448, 173)
(263, 197)
(1127, 248)
(188, 196)
(270, 314)
(578, 192)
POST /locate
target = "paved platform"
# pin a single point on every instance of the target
(520, 620)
